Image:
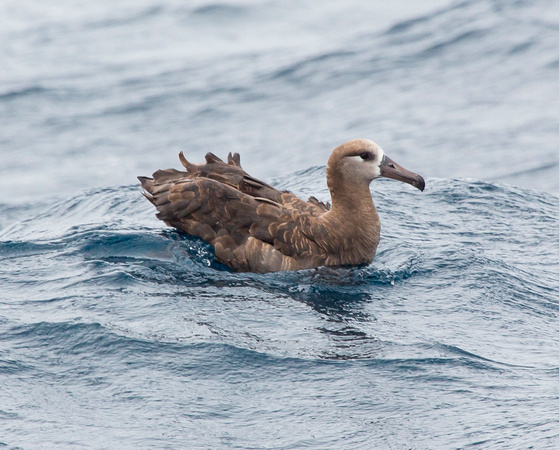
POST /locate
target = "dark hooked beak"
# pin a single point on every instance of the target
(390, 169)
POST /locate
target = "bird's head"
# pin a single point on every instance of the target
(360, 161)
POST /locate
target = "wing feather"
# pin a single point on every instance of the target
(251, 225)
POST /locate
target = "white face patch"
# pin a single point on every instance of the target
(366, 169)
(380, 153)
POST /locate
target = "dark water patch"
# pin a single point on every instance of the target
(432, 369)
(107, 245)
(22, 92)
(484, 363)
(130, 19)
(140, 106)
(219, 10)
(12, 367)
(84, 340)
(97, 342)
(521, 48)
(451, 43)
(406, 25)
(14, 249)
(8, 415)
(308, 67)
(34, 98)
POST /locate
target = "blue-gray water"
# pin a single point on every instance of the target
(115, 331)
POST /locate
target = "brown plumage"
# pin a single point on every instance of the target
(254, 227)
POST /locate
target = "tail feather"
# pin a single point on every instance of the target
(187, 165)
(147, 185)
(211, 158)
(234, 159)
(145, 181)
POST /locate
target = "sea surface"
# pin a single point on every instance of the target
(118, 332)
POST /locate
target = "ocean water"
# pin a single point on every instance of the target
(118, 332)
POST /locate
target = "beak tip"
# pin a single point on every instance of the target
(419, 183)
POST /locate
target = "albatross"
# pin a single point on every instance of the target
(254, 227)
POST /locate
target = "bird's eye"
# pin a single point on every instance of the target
(366, 155)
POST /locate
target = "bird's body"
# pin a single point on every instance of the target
(254, 227)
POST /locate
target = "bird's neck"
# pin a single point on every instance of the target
(354, 210)
(353, 201)
(353, 225)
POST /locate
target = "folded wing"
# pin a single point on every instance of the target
(252, 226)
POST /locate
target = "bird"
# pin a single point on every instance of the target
(254, 227)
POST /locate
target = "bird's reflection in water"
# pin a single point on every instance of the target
(339, 296)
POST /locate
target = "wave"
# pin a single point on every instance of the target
(459, 237)
(22, 92)
(468, 34)
(214, 10)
